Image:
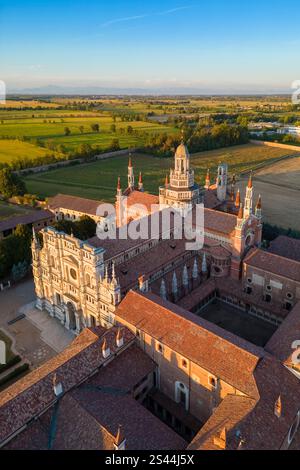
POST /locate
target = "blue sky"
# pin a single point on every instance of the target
(217, 46)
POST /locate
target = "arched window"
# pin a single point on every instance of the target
(182, 394)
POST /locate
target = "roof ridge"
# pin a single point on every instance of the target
(200, 326)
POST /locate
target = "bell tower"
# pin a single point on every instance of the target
(181, 192)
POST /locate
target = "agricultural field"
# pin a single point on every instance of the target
(279, 186)
(11, 150)
(97, 180)
(50, 130)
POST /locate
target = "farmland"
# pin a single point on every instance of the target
(97, 180)
(50, 131)
(279, 186)
(11, 150)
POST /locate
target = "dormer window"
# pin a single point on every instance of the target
(212, 381)
(184, 363)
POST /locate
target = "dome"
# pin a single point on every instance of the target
(182, 151)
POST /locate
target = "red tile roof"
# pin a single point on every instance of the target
(140, 197)
(280, 344)
(253, 420)
(96, 400)
(31, 218)
(275, 264)
(32, 394)
(194, 338)
(286, 247)
(74, 203)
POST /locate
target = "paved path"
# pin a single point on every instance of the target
(37, 337)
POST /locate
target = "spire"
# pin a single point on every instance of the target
(174, 283)
(185, 276)
(141, 186)
(195, 269)
(207, 180)
(248, 205)
(241, 212)
(130, 174)
(113, 276)
(34, 234)
(250, 184)
(106, 274)
(119, 184)
(238, 199)
(204, 264)
(258, 208)
(258, 204)
(163, 290)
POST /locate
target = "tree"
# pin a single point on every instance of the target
(67, 131)
(85, 228)
(19, 271)
(95, 127)
(11, 184)
(115, 145)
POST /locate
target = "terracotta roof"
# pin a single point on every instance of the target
(280, 344)
(31, 218)
(96, 409)
(140, 197)
(227, 415)
(286, 247)
(219, 222)
(253, 421)
(194, 338)
(269, 262)
(74, 203)
(32, 394)
(210, 199)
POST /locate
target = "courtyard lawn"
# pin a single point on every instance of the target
(98, 180)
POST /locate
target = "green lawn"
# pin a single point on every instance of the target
(98, 180)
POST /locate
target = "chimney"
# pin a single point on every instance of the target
(57, 387)
(221, 440)
(120, 441)
(119, 338)
(105, 349)
(278, 407)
